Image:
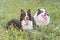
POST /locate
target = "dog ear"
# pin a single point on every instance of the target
(38, 11)
(29, 14)
(29, 11)
(22, 11)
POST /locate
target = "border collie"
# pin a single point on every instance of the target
(25, 22)
(42, 17)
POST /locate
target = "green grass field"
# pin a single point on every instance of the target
(11, 9)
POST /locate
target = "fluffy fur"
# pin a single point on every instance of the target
(26, 20)
(41, 17)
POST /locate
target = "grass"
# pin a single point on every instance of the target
(11, 9)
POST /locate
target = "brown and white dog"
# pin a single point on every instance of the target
(25, 22)
(42, 17)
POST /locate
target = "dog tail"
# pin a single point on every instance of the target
(6, 24)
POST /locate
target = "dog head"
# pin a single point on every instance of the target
(26, 21)
(42, 17)
(26, 16)
(42, 12)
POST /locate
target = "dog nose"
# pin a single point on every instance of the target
(26, 17)
(45, 14)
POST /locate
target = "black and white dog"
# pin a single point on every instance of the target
(42, 17)
(25, 22)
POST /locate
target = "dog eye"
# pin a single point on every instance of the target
(41, 11)
(48, 14)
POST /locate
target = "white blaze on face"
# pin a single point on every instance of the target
(43, 11)
(26, 19)
(26, 16)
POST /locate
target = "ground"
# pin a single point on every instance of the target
(11, 9)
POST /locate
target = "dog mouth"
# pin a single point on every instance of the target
(44, 17)
(26, 21)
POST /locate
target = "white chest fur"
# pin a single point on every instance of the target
(40, 21)
(27, 27)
